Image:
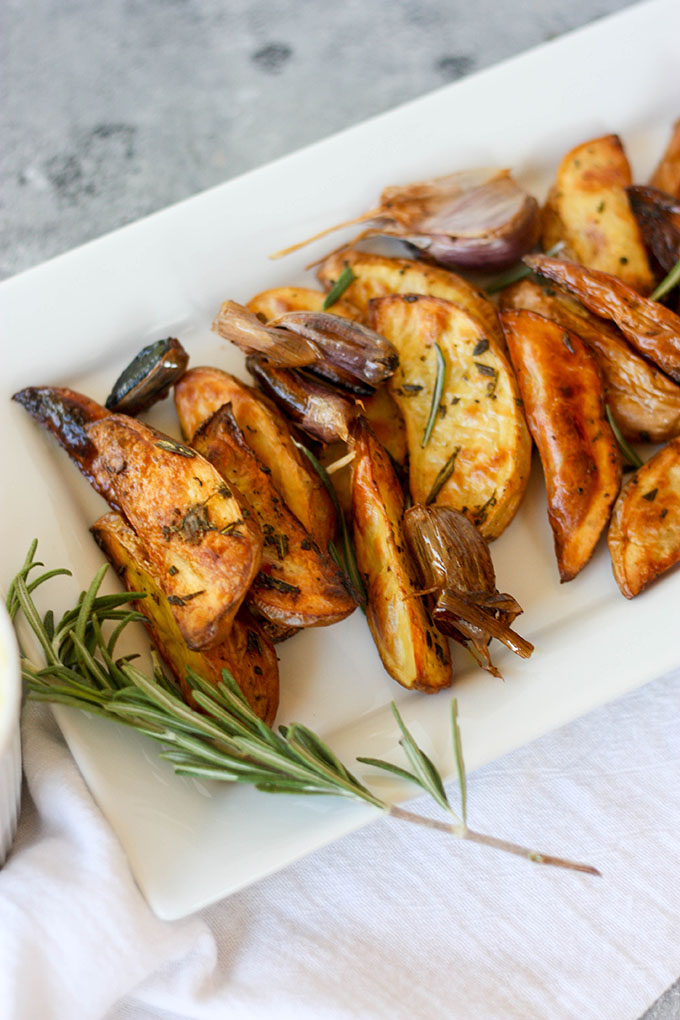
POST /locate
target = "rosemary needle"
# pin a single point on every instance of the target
(222, 739)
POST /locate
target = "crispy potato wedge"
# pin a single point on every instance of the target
(298, 585)
(478, 457)
(564, 402)
(652, 329)
(203, 390)
(588, 209)
(204, 543)
(269, 304)
(378, 276)
(666, 177)
(644, 534)
(383, 415)
(411, 649)
(645, 403)
(245, 652)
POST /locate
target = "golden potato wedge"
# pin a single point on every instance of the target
(644, 534)
(666, 177)
(383, 415)
(203, 390)
(652, 329)
(412, 651)
(245, 652)
(645, 403)
(202, 540)
(564, 402)
(298, 585)
(588, 209)
(269, 304)
(478, 457)
(378, 276)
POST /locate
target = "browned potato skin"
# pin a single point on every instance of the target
(298, 585)
(563, 399)
(271, 303)
(203, 390)
(644, 534)
(204, 549)
(588, 209)
(411, 649)
(482, 419)
(65, 413)
(652, 329)
(378, 276)
(666, 177)
(245, 652)
(385, 419)
(645, 403)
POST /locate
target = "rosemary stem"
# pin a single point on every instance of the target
(462, 831)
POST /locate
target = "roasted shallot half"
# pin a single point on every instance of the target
(333, 347)
(473, 219)
(455, 567)
(148, 377)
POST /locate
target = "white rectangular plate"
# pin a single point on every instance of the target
(77, 321)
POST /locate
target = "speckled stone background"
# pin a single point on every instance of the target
(112, 109)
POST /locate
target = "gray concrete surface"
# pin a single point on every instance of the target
(115, 108)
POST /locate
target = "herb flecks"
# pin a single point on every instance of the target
(629, 454)
(181, 600)
(442, 477)
(437, 392)
(276, 583)
(171, 446)
(347, 276)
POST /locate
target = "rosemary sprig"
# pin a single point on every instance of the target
(667, 284)
(439, 382)
(221, 739)
(629, 454)
(339, 287)
(518, 272)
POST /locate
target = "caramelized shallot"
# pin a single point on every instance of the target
(455, 566)
(475, 219)
(318, 410)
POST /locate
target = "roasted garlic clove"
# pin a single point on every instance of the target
(148, 377)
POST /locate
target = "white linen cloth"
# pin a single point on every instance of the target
(390, 922)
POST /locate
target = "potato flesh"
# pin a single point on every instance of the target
(298, 585)
(203, 390)
(379, 276)
(411, 649)
(480, 413)
(645, 403)
(205, 552)
(279, 300)
(644, 535)
(246, 652)
(563, 399)
(666, 177)
(589, 209)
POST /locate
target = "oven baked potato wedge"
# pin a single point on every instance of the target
(588, 209)
(563, 398)
(645, 403)
(644, 534)
(378, 276)
(245, 651)
(204, 550)
(203, 390)
(412, 651)
(652, 329)
(666, 176)
(269, 304)
(297, 585)
(477, 459)
(204, 543)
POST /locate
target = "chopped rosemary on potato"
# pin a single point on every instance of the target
(339, 287)
(222, 739)
(439, 382)
(667, 284)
